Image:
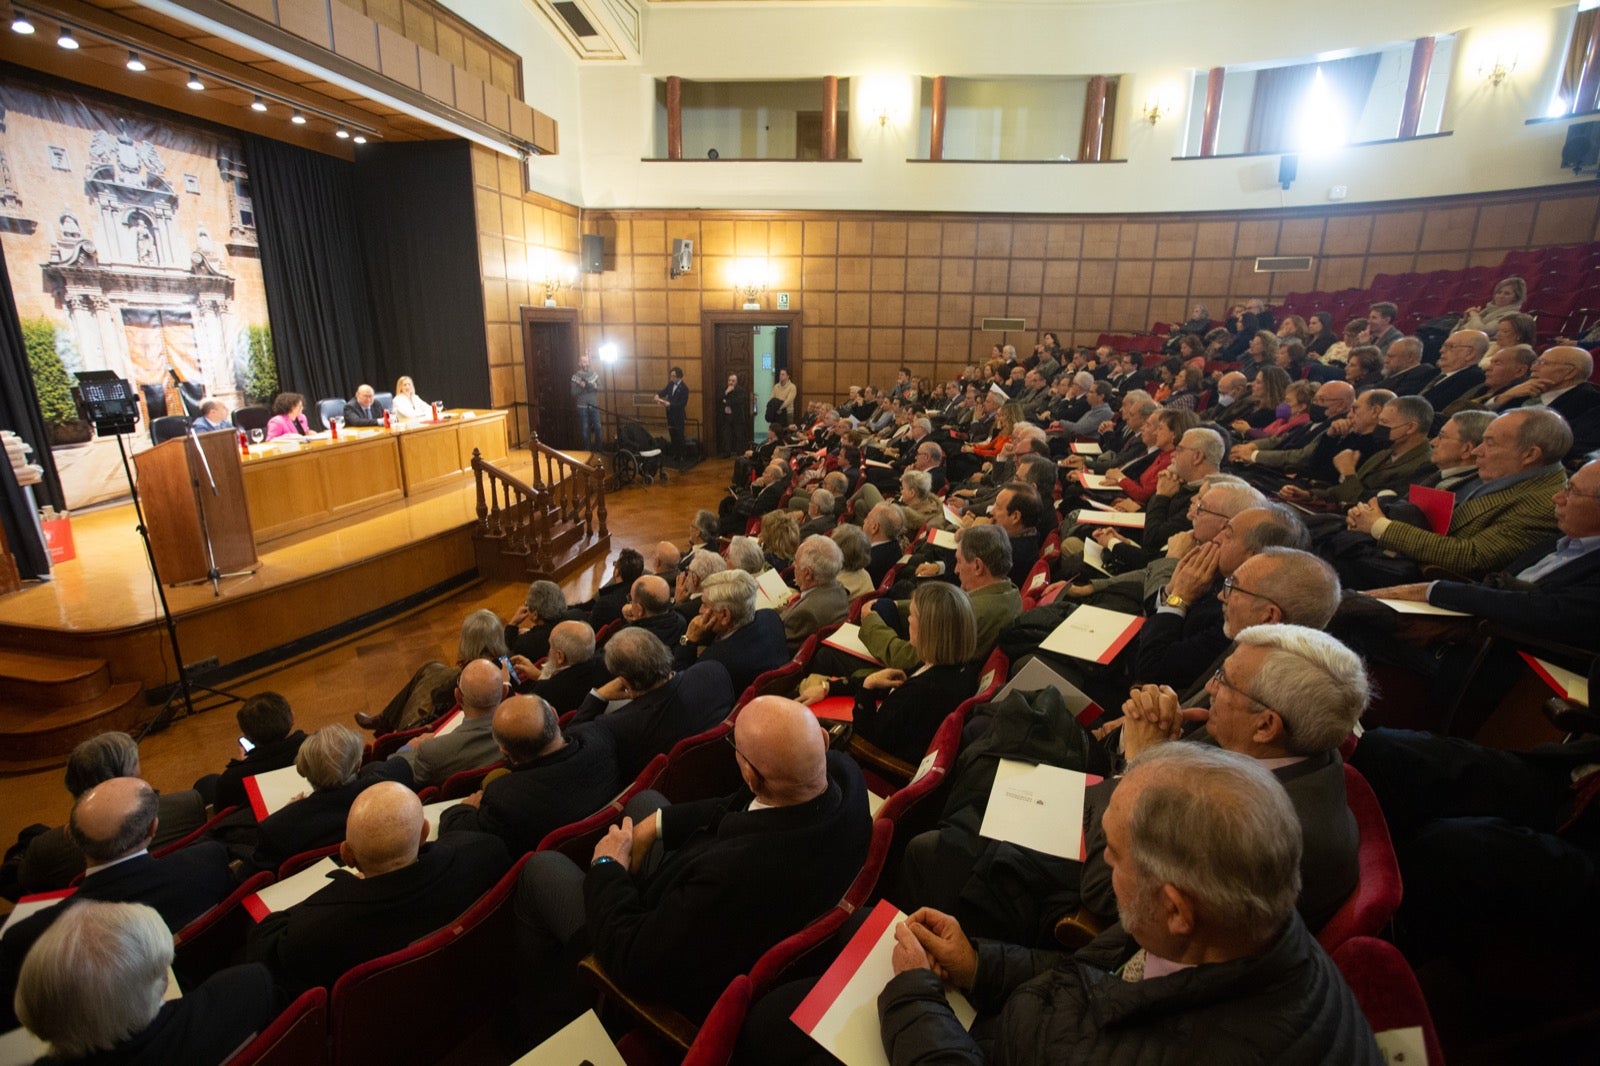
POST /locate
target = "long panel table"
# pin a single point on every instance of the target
(295, 487)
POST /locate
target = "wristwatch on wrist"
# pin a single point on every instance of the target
(601, 859)
(1175, 601)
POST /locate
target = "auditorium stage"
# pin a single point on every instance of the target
(388, 559)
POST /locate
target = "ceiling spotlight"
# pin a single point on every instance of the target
(21, 24)
(67, 40)
(342, 133)
(136, 64)
(194, 82)
(360, 138)
(297, 118)
(259, 105)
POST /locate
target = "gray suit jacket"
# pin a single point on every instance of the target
(469, 746)
(816, 607)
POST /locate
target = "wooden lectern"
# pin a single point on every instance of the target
(167, 475)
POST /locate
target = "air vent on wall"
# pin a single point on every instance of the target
(1277, 264)
(1005, 325)
(573, 16)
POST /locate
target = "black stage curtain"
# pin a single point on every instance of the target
(419, 242)
(312, 268)
(19, 412)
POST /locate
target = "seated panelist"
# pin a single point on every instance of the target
(288, 417)
(408, 406)
(213, 415)
(364, 410)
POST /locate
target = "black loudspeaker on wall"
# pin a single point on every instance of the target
(594, 253)
(1582, 149)
(1288, 169)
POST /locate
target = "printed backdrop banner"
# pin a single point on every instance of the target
(130, 237)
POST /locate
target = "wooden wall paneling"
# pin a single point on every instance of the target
(309, 20)
(355, 36)
(1448, 229)
(1397, 232)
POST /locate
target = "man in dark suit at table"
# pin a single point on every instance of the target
(718, 881)
(114, 823)
(364, 410)
(403, 893)
(552, 779)
(675, 398)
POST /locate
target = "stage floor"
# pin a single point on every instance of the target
(109, 585)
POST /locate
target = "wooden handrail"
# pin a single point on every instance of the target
(564, 492)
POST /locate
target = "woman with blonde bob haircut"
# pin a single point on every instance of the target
(900, 712)
(779, 537)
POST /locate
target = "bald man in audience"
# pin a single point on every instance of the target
(113, 824)
(650, 607)
(664, 561)
(551, 779)
(402, 889)
(430, 760)
(570, 670)
(680, 898)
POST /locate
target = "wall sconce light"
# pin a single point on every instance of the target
(555, 277)
(1152, 112)
(1498, 72)
(750, 282)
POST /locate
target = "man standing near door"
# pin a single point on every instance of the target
(586, 391)
(783, 394)
(733, 430)
(675, 398)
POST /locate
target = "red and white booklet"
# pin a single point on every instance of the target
(1568, 684)
(841, 1013)
(1093, 633)
(296, 888)
(847, 638)
(271, 792)
(450, 723)
(31, 905)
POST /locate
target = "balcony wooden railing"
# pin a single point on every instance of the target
(543, 526)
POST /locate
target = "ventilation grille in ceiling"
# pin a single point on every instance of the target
(573, 17)
(1277, 264)
(1005, 325)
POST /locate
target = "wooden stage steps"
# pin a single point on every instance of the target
(51, 703)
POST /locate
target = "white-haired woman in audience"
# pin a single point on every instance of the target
(92, 986)
(917, 500)
(857, 552)
(1509, 294)
(899, 712)
(431, 690)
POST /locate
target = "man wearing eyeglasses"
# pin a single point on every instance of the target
(1552, 590)
(1459, 372)
(1403, 425)
(682, 897)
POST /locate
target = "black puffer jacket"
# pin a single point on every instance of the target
(1286, 1006)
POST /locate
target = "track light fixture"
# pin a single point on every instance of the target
(195, 83)
(342, 133)
(20, 23)
(297, 118)
(259, 104)
(136, 64)
(66, 40)
(360, 138)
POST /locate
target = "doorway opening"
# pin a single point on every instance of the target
(751, 347)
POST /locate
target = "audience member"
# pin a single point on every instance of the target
(656, 707)
(718, 881)
(528, 632)
(551, 779)
(94, 985)
(571, 669)
(650, 608)
(266, 722)
(430, 760)
(855, 551)
(730, 630)
(983, 561)
(51, 859)
(822, 600)
(330, 761)
(431, 690)
(113, 824)
(400, 892)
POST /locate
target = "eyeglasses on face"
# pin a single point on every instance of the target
(1230, 586)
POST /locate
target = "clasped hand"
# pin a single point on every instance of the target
(932, 940)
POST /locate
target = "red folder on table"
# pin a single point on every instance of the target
(1436, 505)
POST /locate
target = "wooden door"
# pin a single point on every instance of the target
(735, 355)
(549, 357)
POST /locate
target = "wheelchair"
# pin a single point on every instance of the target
(636, 456)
